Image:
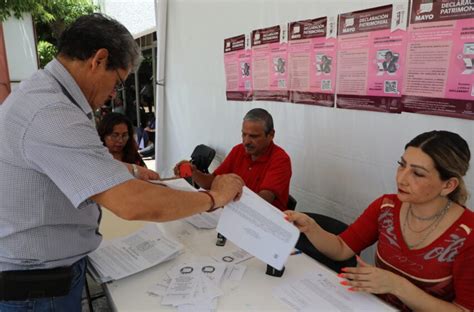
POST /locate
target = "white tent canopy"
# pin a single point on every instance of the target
(137, 15)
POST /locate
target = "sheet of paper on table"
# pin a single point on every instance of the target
(124, 256)
(259, 228)
(320, 290)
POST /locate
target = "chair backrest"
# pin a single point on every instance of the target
(202, 157)
(291, 205)
(333, 226)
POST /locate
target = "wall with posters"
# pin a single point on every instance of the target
(342, 159)
(20, 48)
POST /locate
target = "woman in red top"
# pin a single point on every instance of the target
(425, 250)
(116, 132)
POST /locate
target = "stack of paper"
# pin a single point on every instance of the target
(192, 285)
(121, 257)
(202, 220)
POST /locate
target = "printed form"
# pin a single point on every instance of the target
(259, 228)
(320, 290)
(121, 257)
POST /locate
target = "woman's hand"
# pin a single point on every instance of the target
(146, 174)
(302, 221)
(368, 278)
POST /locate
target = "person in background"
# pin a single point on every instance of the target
(56, 174)
(116, 132)
(425, 252)
(264, 166)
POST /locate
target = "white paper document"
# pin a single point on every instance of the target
(259, 228)
(202, 220)
(177, 184)
(121, 257)
(320, 291)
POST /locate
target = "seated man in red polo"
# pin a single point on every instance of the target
(264, 166)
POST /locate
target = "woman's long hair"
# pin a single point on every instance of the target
(130, 150)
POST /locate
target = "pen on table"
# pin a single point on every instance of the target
(296, 252)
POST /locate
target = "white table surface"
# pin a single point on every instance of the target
(252, 293)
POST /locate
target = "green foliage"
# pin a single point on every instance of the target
(47, 51)
(17, 7)
(46, 11)
(51, 18)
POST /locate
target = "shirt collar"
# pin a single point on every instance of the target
(60, 73)
(265, 156)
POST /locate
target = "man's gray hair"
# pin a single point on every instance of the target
(92, 32)
(259, 114)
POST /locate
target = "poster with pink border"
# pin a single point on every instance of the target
(440, 59)
(270, 64)
(238, 72)
(371, 58)
(312, 61)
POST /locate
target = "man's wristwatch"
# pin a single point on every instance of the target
(135, 170)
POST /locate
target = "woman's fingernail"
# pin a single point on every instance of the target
(351, 289)
(345, 283)
(344, 269)
(340, 275)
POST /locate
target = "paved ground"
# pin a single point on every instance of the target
(99, 301)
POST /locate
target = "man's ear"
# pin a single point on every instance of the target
(99, 59)
(272, 133)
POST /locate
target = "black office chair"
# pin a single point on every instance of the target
(291, 205)
(202, 157)
(331, 225)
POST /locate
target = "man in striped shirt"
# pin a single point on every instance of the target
(55, 171)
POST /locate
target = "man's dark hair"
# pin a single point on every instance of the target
(90, 33)
(259, 114)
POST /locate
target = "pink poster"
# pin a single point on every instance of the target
(312, 61)
(440, 59)
(237, 61)
(270, 64)
(371, 58)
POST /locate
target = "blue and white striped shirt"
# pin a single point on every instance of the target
(51, 162)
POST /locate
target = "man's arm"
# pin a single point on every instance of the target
(276, 181)
(269, 196)
(202, 179)
(139, 200)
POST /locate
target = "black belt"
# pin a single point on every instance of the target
(29, 284)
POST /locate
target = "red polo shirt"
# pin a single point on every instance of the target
(271, 171)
